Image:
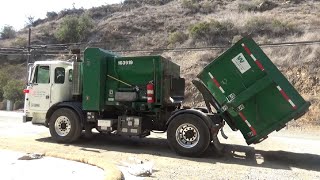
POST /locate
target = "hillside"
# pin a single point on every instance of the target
(168, 24)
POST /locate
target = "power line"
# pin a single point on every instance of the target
(11, 49)
(44, 46)
(290, 43)
(13, 54)
(65, 52)
(82, 43)
(219, 47)
(312, 29)
(206, 47)
(21, 54)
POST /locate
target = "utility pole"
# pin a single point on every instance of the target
(29, 46)
(29, 51)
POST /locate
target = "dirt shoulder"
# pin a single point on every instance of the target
(36, 144)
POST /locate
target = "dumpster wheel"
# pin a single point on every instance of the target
(188, 135)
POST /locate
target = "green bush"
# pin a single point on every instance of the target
(74, 29)
(199, 30)
(213, 31)
(271, 27)
(3, 82)
(10, 72)
(30, 21)
(13, 91)
(51, 15)
(177, 37)
(7, 32)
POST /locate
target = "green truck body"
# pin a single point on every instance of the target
(134, 96)
(111, 74)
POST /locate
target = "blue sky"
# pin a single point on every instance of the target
(15, 12)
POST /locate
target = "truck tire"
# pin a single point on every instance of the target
(65, 126)
(188, 135)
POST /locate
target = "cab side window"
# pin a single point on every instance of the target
(59, 75)
(42, 75)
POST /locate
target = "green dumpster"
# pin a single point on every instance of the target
(252, 94)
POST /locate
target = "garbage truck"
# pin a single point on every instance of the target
(134, 96)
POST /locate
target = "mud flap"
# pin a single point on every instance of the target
(223, 134)
(217, 146)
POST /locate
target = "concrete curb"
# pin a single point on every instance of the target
(111, 172)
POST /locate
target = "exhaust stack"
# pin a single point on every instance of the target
(76, 75)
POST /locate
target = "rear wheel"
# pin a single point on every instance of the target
(65, 126)
(188, 135)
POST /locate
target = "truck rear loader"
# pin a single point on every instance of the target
(133, 96)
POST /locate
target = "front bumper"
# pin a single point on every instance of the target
(26, 119)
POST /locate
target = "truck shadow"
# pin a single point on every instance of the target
(231, 154)
(249, 156)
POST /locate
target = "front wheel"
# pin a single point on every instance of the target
(65, 126)
(188, 135)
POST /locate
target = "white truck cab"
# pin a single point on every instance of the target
(49, 82)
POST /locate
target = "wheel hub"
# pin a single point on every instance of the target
(62, 126)
(187, 135)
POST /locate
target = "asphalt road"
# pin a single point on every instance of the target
(49, 168)
(11, 125)
(288, 154)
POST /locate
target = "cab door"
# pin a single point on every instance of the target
(39, 89)
(61, 85)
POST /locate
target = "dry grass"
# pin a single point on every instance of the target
(305, 77)
(157, 22)
(111, 172)
(247, 6)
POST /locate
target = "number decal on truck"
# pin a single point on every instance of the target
(125, 63)
(241, 63)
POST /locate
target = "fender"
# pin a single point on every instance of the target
(76, 106)
(196, 112)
